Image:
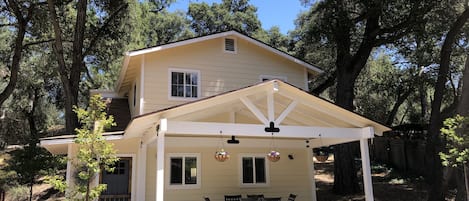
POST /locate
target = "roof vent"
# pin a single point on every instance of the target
(230, 45)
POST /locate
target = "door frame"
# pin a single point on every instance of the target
(133, 183)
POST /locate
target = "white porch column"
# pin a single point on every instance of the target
(141, 172)
(160, 142)
(367, 183)
(311, 171)
(68, 175)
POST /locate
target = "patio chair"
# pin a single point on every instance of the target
(206, 199)
(292, 197)
(232, 197)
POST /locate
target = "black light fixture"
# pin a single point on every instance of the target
(233, 140)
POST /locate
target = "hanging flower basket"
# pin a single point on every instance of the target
(273, 156)
(321, 154)
(222, 155)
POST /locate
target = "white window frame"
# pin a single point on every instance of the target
(271, 77)
(183, 186)
(235, 45)
(183, 70)
(267, 171)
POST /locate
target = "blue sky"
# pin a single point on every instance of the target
(270, 12)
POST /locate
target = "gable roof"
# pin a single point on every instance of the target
(309, 110)
(254, 41)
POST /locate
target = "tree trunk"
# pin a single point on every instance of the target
(400, 100)
(70, 78)
(434, 142)
(463, 110)
(31, 189)
(345, 172)
(17, 52)
(77, 60)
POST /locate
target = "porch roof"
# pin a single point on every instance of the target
(271, 101)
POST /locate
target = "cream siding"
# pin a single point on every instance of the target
(219, 71)
(220, 178)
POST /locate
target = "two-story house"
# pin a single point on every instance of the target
(178, 105)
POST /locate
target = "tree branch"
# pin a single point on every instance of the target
(7, 25)
(102, 29)
(325, 85)
(39, 42)
(17, 52)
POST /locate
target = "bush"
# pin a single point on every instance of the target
(18, 193)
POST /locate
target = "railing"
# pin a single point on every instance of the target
(125, 197)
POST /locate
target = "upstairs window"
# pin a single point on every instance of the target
(230, 45)
(184, 83)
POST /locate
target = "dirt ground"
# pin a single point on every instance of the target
(387, 185)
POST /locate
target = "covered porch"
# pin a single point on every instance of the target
(258, 119)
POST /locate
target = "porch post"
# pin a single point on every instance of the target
(141, 173)
(368, 185)
(160, 142)
(310, 162)
(68, 175)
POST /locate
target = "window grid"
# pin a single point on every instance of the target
(184, 171)
(184, 84)
(254, 170)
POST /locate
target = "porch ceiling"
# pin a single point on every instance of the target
(272, 101)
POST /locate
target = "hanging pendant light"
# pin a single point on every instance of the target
(273, 155)
(221, 155)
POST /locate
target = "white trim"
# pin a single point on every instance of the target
(257, 130)
(285, 112)
(183, 185)
(68, 175)
(254, 110)
(104, 93)
(240, 172)
(235, 45)
(122, 72)
(142, 85)
(133, 189)
(311, 172)
(142, 171)
(160, 152)
(306, 79)
(263, 77)
(270, 106)
(71, 138)
(184, 70)
(367, 183)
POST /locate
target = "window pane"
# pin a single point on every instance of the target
(193, 78)
(176, 171)
(248, 173)
(188, 92)
(177, 78)
(190, 171)
(194, 91)
(260, 170)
